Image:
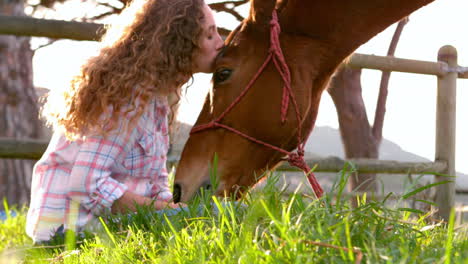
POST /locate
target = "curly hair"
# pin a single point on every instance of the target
(148, 54)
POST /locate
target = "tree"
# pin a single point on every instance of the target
(18, 110)
(360, 139)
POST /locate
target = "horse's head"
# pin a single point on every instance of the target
(313, 47)
(258, 113)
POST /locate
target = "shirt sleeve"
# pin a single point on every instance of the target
(91, 182)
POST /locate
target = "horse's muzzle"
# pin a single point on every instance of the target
(177, 191)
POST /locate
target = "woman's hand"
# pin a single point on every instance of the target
(129, 202)
(159, 205)
(177, 205)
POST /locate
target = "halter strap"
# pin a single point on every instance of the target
(276, 55)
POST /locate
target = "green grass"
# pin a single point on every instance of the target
(272, 227)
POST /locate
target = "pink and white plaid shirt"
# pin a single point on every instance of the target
(76, 181)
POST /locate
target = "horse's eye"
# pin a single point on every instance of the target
(222, 75)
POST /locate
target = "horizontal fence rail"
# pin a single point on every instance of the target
(334, 164)
(11, 148)
(57, 29)
(383, 63)
(33, 149)
(396, 64)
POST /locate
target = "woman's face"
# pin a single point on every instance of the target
(210, 43)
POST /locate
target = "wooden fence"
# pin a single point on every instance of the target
(446, 69)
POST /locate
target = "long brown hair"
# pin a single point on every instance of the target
(148, 53)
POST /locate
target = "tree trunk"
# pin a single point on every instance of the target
(356, 132)
(360, 139)
(18, 107)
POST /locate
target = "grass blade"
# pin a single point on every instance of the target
(5, 206)
(412, 210)
(426, 202)
(449, 241)
(108, 232)
(412, 193)
(348, 238)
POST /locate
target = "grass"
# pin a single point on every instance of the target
(266, 226)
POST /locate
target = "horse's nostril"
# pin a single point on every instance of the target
(176, 193)
(206, 185)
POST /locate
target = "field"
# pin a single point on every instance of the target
(267, 226)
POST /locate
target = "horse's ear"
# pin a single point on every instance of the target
(261, 10)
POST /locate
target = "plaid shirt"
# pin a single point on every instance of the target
(76, 181)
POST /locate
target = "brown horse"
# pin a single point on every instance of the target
(316, 36)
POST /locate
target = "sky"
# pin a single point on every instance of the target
(410, 116)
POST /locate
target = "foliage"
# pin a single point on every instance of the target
(266, 226)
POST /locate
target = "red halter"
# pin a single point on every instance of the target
(276, 55)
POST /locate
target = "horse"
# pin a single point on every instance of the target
(267, 85)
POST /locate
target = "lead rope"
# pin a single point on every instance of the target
(276, 54)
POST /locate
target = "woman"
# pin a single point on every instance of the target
(109, 147)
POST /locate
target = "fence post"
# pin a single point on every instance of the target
(445, 130)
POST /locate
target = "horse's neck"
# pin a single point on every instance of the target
(344, 25)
